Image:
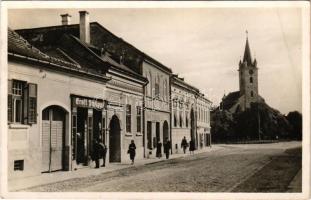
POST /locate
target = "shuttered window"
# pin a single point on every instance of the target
(22, 102)
(32, 103)
(10, 102)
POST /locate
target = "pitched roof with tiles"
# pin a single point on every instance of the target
(20, 48)
(18, 45)
(47, 39)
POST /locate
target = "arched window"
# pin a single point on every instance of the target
(252, 94)
(251, 79)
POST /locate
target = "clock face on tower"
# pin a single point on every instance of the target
(251, 71)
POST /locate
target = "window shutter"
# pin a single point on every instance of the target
(10, 102)
(32, 103)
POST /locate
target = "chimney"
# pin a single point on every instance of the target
(66, 18)
(84, 27)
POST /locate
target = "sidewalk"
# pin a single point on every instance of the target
(296, 184)
(54, 177)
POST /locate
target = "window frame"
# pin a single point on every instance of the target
(128, 118)
(22, 102)
(138, 119)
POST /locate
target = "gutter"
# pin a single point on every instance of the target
(59, 66)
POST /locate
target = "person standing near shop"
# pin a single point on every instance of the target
(167, 147)
(96, 154)
(103, 153)
(132, 151)
(184, 144)
(191, 147)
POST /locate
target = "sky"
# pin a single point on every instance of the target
(204, 45)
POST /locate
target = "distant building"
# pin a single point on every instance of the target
(190, 115)
(204, 138)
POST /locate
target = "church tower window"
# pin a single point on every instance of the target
(251, 79)
(252, 94)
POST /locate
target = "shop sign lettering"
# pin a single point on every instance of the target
(89, 103)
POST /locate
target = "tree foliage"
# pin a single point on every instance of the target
(295, 119)
(258, 122)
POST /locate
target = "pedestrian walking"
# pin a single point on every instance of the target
(132, 151)
(191, 147)
(96, 154)
(103, 153)
(184, 144)
(159, 149)
(167, 147)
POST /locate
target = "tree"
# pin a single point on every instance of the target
(295, 119)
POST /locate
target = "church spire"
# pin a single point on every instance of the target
(247, 53)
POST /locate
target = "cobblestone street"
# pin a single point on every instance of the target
(223, 170)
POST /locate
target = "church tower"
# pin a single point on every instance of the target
(248, 78)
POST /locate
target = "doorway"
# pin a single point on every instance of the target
(149, 135)
(53, 138)
(97, 125)
(165, 131)
(192, 127)
(81, 135)
(114, 140)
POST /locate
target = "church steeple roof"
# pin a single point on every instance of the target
(247, 53)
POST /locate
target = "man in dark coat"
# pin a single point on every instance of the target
(132, 151)
(184, 144)
(191, 147)
(96, 154)
(167, 147)
(103, 153)
(159, 149)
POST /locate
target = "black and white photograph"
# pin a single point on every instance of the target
(155, 100)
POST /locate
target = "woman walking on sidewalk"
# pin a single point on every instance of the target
(132, 151)
(191, 147)
(184, 144)
(159, 149)
(167, 147)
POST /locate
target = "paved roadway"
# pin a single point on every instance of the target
(218, 171)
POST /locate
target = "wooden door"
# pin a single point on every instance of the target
(52, 139)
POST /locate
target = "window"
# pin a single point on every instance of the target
(180, 119)
(252, 94)
(128, 118)
(187, 119)
(251, 79)
(175, 103)
(157, 88)
(138, 118)
(18, 165)
(149, 84)
(22, 102)
(175, 120)
(165, 90)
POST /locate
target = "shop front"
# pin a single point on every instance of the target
(88, 125)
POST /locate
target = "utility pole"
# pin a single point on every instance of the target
(258, 117)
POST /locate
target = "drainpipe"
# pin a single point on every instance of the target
(170, 109)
